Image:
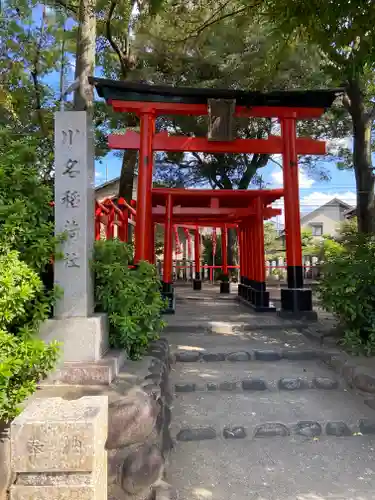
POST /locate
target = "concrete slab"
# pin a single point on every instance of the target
(204, 372)
(278, 469)
(250, 409)
(256, 339)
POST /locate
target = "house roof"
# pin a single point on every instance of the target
(334, 201)
(124, 90)
(107, 183)
(352, 212)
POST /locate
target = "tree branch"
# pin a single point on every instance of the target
(35, 73)
(276, 162)
(123, 58)
(67, 6)
(212, 22)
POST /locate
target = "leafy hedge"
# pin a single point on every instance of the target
(130, 297)
(347, 289)
(24, 359)
(27, 244)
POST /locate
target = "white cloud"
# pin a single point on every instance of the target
(99, 175)
(314, 200)
(334, 145)
(304, 181)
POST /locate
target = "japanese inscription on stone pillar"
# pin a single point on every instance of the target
(74, 211)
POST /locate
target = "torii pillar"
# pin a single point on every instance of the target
(197, 282)
(296, 301)
(167, 284)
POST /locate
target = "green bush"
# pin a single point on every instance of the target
(347, 289)
(24, 304)
(23, 363)
(24, 359)
(130, 297)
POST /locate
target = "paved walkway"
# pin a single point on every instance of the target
(257, 414)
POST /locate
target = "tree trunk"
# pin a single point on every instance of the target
(85, 54)
(362, 159)
(129, 162)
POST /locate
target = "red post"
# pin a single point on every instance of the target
(251, 259)
(197, 282)
(260, 238)
(294, 300)
(240, 251)
(224, 250)
(168, 241)
(197, 254)
(153, 257)
(144, 195)
(291, 201)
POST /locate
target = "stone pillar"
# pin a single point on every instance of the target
(58, 450)
(74, 212)
(83, 334)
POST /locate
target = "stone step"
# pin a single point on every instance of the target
(253, 376)
(258, 384)
(252, 409)
(271, 355)
(274, 469)
(304, 428)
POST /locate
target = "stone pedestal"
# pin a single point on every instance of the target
(58, 450)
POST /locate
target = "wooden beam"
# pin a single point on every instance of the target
(165, 142)
(167, 108)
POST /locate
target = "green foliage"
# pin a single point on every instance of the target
(24, 359)
(130, 297)
(347, 289)
(26, 213)
(224, 278)
(23, 363)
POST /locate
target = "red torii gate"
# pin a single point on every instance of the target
(151, 101)
(218, 208)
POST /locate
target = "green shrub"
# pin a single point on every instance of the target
(24, 359)
(24, 304)
(23, 363)
(130, 297)
(347, 289)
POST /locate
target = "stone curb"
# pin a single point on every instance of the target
(307, 429)
(257, 385)
(357, 377)
(140, 441)
(254, 355)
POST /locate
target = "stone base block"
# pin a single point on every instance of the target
(168, 294)
(197, 284)
(58, 450)
(258, 308)
(298, 315)
(225, 287)
(296, 303)
(83, 339)
(100, 372)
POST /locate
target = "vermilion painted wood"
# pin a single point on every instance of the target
(165, 142)
(144, 187)
(168, 244)
(168, 108)
(197, 250)
(227, 197)
(291, 198)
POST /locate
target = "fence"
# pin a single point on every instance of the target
(184, 270)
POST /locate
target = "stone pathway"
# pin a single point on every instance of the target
(257, 412)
